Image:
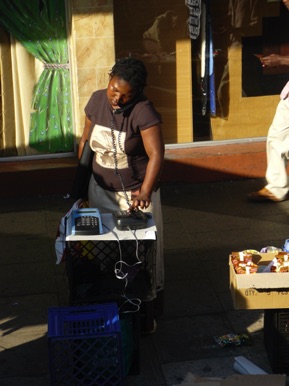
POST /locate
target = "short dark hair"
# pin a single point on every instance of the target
(132, 71)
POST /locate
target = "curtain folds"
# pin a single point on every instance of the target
(7, 114)
(39, 25)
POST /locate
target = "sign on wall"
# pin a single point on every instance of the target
(194, 17)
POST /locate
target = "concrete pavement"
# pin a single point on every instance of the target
(203, 223)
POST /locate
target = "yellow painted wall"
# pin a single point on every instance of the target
(184, 106)
(92, 51)
(248, 116)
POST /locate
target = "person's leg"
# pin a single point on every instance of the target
(160, 269)
(154, 308)
(156, 209)
(277, 149)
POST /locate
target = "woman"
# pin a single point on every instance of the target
(124, 131)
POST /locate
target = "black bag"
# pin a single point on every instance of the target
(83, 174)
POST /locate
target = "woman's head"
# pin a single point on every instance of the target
(131, 70)
(127, 80)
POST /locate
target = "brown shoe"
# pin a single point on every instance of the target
(264, 195)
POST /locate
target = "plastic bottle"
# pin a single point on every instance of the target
(286, 246)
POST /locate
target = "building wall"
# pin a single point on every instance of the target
(92, 43)
(92, 50)
(249, 117)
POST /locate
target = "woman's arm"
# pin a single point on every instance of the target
(155, 149)
(84, 136)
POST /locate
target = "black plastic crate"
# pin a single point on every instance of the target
(85, 346)
(130, 343)
(276, 339)
(91, 270)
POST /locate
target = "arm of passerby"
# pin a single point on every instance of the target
(286, 3)
(275, 60)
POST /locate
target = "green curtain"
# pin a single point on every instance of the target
(39, 25)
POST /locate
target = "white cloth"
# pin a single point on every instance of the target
(61, 234)
(285, 91)
(107, 202)
(278, 148)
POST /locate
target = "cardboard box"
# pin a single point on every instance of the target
(259, 290)
(236, 380)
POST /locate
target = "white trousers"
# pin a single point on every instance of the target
(277, 151)
(107, 202)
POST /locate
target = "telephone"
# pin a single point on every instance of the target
(86, 221)
(125, 220)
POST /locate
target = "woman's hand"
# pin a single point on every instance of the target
(140, 200)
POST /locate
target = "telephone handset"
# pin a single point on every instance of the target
(135, 219)
(129, 104)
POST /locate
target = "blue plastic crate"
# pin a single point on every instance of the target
(79, 320)
(85, 345)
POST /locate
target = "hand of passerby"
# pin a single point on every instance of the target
(272, 60)
(286, 3)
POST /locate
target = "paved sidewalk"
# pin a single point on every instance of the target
(203, 223)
